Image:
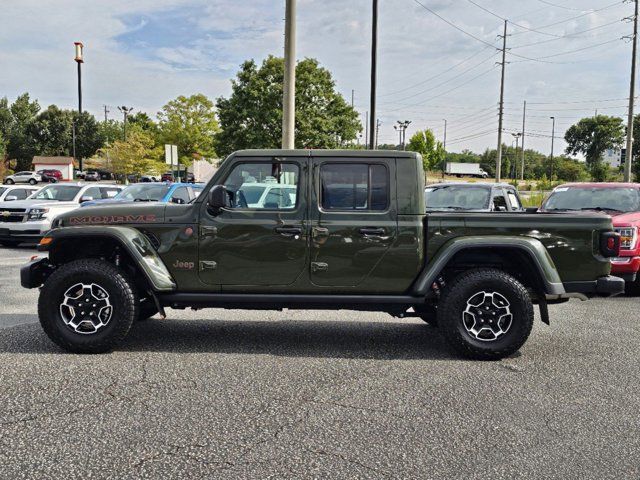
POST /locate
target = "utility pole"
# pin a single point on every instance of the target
(515, 156)
(501, 113)
(553, 136)
(353, 96)
(399, 130)
(632, 94)
(106, 112)
(444, 147)
(79, 60)
(524, 119)
(367, 145)
(373, 141)
(289, 94)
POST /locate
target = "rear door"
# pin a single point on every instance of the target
(353, 219)
(253, 243)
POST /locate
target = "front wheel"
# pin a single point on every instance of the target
(87, 306)
(32, 181)
(485, 314)
(8, 181)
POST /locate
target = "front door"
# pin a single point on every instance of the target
(353, 219)
(261, 238)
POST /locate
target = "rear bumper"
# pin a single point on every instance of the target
(606, 286)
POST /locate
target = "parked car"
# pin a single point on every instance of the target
(619, 200)
(79, 173)
(154, 192)
(147, 179)
(189, 178)
(15, 192)
(92, 176)
(27, 220)
(476, 275)
(167, 177)
(31, 178)
(472, 197)
(267, 195)
(50, 175)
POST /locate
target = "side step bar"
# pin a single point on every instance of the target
(267, 301)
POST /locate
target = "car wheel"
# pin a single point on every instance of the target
(485, 314)
(87, 306)
(32, 181)
(9, 181)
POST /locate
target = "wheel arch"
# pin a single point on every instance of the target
(525, 258)
(72, 243)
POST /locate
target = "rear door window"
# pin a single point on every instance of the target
(499, 203)
(513, 200)
(354, 186)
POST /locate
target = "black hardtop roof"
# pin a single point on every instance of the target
(326, 153)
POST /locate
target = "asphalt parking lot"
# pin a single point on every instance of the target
(234, 394)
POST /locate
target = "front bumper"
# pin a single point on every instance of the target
(625, 267)
(34, 273)
(607, 286)
(30, 231)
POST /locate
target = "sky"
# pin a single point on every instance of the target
(437, 59)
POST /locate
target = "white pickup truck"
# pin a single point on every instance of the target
(27, 220)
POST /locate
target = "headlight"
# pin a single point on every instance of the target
(37, 213)
(628, 237)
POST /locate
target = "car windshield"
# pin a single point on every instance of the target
(594, 198)
(57, 193)
(143, 193)
(457, 197)
(2, 190)
(252, 194)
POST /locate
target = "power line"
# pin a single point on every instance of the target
(454, 25)
(578, 49)
(560, 6)
(435, 76)
(568, 35)
(512, 23)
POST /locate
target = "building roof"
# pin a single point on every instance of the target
(52, 160)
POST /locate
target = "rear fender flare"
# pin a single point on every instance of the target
(533, 248)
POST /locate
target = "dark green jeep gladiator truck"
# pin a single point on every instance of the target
(309, 229)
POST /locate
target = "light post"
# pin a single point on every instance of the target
(79, 47)
(515, 163)
(401, 128)
(125, 112)
(553, 136)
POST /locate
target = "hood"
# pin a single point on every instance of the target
(626, 219)
(114, 214)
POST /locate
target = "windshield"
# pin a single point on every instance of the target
(458, 197)
(2, 190)
(593, 198)
(252, 194)
(57, 193)
(146, 193)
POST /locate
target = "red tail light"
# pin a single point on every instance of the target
(610, 244)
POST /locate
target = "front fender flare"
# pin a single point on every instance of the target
(135, 244)
(532, 247)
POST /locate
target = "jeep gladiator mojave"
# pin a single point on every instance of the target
(355, 236)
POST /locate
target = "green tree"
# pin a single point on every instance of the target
(591, 137)
(89, 137)
(111, 131)
(20, 146)
(424, 142)
(138, 155)
(144, 121)
(190, 123)
(252, 116)
(50, 132)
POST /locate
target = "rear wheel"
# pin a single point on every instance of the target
(485, 314)
(87, 306)
(32, 181)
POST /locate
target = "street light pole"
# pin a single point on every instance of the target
(289, 93)
(553, 136)
(125, 112)
(444, 147)
(515, 157)
(79, 47)
(632, 94)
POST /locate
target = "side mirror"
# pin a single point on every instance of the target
(86, 199)
(177, 200)
(218, 198)
(10, 198)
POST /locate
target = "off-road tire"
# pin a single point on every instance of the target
(123, 298)
(455, 300)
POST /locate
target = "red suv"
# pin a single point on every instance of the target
(622, 202)
(50, 175)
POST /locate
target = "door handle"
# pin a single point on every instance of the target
(372, 231)
(289, 231)
(317, 232)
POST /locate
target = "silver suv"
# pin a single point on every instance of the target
(23, 177)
